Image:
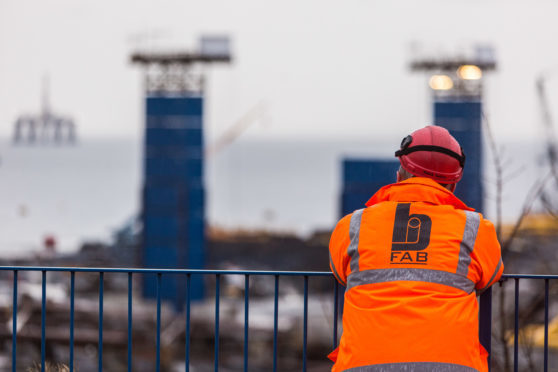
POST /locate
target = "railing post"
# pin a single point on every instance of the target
(158, 335)
(275, 321)
(187, 332)
(546, 288)
(14, 324)
(485, 321)
(305, 324)
(101, 298)
(43, 320)
(516, 328)
(246, 318)
(130, 320)
(217, 295)
(72, 315)
(335, 311)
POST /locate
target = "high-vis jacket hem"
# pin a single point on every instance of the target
(413, 367)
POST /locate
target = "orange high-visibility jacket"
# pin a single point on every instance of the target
(411, 262)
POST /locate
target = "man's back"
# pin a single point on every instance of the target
(411, 262)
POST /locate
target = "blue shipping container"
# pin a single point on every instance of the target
(362, 178)
(360, 171)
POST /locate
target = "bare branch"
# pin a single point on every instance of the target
(534, 193)
(499, 171)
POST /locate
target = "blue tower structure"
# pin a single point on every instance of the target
(173, 193)
(456, 83)
(173, 198)
(462, 116)
(362, 178)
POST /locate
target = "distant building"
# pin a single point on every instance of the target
(173, 200)
(362, 178)
(173, 193)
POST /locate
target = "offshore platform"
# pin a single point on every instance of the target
(46, 127)
(173, 200)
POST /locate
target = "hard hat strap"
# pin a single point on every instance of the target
(443, 150)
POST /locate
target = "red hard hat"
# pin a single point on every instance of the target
(432, 152)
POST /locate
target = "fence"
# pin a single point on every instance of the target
(484, 318)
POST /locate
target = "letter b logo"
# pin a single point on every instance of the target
(411, 232)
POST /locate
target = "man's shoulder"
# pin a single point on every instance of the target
(486, 225)
(483, 221)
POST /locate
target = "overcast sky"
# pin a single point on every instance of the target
(325, 68)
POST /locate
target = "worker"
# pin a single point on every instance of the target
(413, 262)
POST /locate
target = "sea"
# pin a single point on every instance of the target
(86, 191)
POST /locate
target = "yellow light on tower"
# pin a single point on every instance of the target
(440, 82)
(469, 72)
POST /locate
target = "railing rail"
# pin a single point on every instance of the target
(516, 278)
(159, 274)
(485, 309)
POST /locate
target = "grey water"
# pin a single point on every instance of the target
(84, 192)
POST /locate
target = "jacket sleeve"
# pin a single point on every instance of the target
(488, 254)
(338, 244)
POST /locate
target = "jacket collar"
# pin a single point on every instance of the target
(417, 189)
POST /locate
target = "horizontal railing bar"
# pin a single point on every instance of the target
(166, 271)
(528, 276)
(214, 272)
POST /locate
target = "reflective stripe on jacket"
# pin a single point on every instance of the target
(411, 262)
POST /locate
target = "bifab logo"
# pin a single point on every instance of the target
(411, 235)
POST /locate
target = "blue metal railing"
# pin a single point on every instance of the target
(159, 274)
(484, 319)
(516, 278)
